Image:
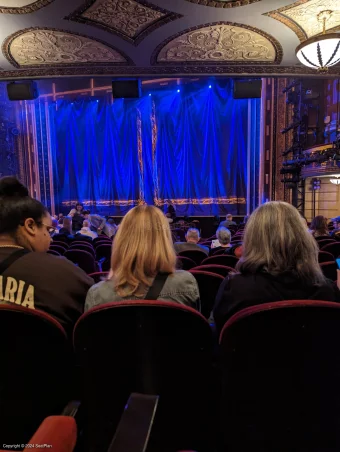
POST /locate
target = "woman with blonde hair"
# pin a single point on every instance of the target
(279, 262)
(143, 264)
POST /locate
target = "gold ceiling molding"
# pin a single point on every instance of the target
(301, 17)
(29, 8)
(34, 47)
(132, 20)
(224, 3)
(220, 43)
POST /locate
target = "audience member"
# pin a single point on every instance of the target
(192, 237)
(223, 237)
(30, 277)
(100, 225)
(142, 258)
(55, 225)
(170, 213)
(318, 227)
(279, 262)
(60, 218)
(228, 221)
(85, 230)
(335, 234)
(67, 227)
(77, 217)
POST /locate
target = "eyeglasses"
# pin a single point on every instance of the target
(50, 229)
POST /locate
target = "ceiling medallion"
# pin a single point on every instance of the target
(35, 47)
(322, 51)
(219, 43)
(224, 3)
(302, 17)
(132, 20)
(30, 8)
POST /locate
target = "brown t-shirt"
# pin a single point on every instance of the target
(47, 283)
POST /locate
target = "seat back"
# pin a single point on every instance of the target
(324, 256)
(60, 243)
(55, 253)
(83, 247)
(83, 259)
(100, 240)
(228, 261)
(184, 263)
(149, 347)
(333, 248)
(35, 358)
(322, 243)
(58, 248)
(195, 255)
(208, 284)
(329, 269)
(217, 269)
(104, 251)
(280, 367)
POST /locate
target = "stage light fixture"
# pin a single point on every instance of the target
(178, 90)
(210, 86)
(150, 94)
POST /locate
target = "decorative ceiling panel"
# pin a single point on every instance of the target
(22, 6)
(219, 43)
(224, 3)
(40, 47)
(301, 17)
(130, 19)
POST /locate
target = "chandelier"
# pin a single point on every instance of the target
(335, 181)
(322, 51)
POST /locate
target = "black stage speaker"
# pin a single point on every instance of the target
(22, 91)
(247, 89)
(128, 89)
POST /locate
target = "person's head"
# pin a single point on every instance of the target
(55, 223)
(192, 235)
(229, 217)
(142, 248)
(319, 224)
(24, 221)
(223, 235)
(86, 214)
(60, 216)
(79, 207)
(86, 224)
(67, 224)
(276, 241)
(335, 223)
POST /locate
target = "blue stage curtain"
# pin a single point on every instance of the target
(187, 145)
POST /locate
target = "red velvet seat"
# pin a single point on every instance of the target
(218, 269)
(208, 284)
(100, 240)
(60, 243)
(280, 368)
(329, 269)
(196, 256)
(333, 248)
(104, 251)
(148, 347)
(83, 259)
(228, 261)
(58, 248)
(325, 257)
(36, 368)
(324, 242)
(184, 263)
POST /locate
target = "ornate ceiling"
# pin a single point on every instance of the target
(47, 38)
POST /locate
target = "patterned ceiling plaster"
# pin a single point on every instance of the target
(22, 6)
(223, 3)
(219, 43)
(132, 20)
(35, 47)
(301, 17)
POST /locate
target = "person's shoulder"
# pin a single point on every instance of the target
(182, 276)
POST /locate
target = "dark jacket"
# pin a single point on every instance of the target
(241, 291)
(46, 283)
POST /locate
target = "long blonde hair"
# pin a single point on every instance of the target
(142, 248)
(276, 241)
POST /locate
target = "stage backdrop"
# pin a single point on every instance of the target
(188, 145)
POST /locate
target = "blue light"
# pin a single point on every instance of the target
(150, 94)
(97, 100)
(210, 86)
(178, 90)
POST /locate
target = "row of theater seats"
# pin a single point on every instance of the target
(272, 385)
